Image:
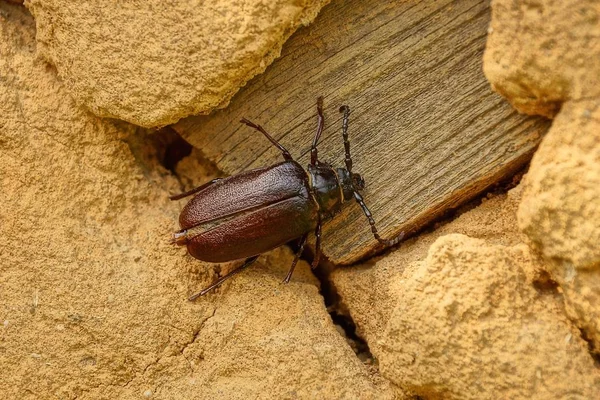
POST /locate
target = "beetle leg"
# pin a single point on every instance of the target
(298, 253)
(315, 261)
(194, 191)
(236, 271)
(286, 154)
(346, 111)
(385, 242)
(314, 152)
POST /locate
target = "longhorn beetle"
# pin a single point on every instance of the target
(247, 214)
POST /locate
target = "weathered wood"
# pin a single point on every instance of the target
(427, 132)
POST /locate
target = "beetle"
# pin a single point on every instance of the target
(244, 215)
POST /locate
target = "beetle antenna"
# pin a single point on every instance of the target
(314, 152)
(385, 242)
(358, 183)
(345, 118)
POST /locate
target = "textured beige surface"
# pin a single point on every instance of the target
(368, 291)
(560, 212)
(427, 133)
(93, 298)
(452, 316)
(543, 55)
(154, 62)
(561, 209)
(470, 325)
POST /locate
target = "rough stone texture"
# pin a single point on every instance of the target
(154, 62)
(540, 53)
(368, 291)
(395, 301)
(545, 55)
(470, 325)
(93, 298)
(560, 211)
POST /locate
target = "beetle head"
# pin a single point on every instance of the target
(350, 182)
(358, 182)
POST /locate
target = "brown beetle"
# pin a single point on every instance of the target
(247, 214)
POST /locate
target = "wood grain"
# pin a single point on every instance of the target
(427, 132)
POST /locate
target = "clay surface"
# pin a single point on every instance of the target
(93, 300)
(469, 325)
(154, 62)
(540, 53)
(560, 212)
(452, 316)
(544, 56)
(368, 291)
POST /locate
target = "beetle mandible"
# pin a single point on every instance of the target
(244, 215)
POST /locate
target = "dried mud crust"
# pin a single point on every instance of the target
(544, 57)
(153, 62)
(468, 311)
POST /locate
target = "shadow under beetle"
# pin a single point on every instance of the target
(247, 214)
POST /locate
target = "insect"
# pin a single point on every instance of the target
(247, 214)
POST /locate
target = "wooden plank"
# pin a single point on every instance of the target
(426, 130)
